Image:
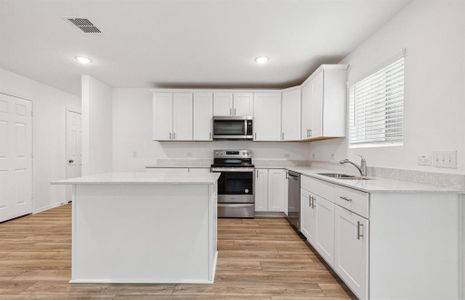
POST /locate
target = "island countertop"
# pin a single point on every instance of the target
(141, 178)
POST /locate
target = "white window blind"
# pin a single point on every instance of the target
(377, 107)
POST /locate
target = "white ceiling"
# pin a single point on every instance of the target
(182, 43)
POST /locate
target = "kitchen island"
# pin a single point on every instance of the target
(146, 227)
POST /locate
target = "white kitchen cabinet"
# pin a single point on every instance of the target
(162, 116)
(325, 228)
(277, 190)
(203, 113)
(290, 114)
(308, 216)
(270, 190)
(243, 104)
(172, 116)
(351, 250)
(261, 190)
(232, 104)
(267, 117)
(222, 104)
(182, 116)
(324, 103)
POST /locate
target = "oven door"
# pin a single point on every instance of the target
(227, 128)
(235, 185)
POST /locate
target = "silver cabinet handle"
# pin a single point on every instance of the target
(346, 199)
(255, 136)
(171, 136)
(210, 135)
(359, 230)
(310, 198)
(313, 202)
(174, 135)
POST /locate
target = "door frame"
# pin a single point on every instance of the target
(76, 111)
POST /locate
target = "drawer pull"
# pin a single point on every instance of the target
(359, 230)
(346, 199)
(310, 198)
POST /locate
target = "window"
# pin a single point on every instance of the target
(377, 108)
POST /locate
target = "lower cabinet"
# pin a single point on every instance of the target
(270, 190)
(351, 250)
(324, 228)
(308, 216)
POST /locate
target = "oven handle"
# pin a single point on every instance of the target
(231, 169)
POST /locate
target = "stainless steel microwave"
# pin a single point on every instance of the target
(233, 128)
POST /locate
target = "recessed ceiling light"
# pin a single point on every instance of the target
(83, 60)
(261, 60)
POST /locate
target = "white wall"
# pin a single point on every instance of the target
(433, 32)
(96, 126)
(49, 128)
(134, 148)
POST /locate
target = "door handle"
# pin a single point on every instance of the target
(346, 199)
(359, 230)
(70, 161)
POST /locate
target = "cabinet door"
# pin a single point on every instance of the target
(325, 228)
(203, 113)
(306, 113)
(316, 106)
(222, 104)
(307, 217)
(277, 190)
(243, 104)
(267, 118)
(351, 250)
(182, 116)
(261, 190)
(162, 116)
(290, 115)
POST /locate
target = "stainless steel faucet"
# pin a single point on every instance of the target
(362, 168)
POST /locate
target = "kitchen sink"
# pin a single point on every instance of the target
(344, 176)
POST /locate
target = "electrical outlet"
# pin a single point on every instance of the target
(445, 159)
(425, 160)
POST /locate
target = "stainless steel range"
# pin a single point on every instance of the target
(236, 183)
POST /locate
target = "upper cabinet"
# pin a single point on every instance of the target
(323, 103)
(290, 115)
(172, 116)
(203, 113)
(267, 117)
(313, 111)
(233, 104)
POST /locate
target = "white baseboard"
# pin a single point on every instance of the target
(54, 205)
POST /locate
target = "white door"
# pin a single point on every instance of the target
(182, 116)
(243, 104)
(261, 190)
(15, 157)
(307, 217)
(162, 116)
(290, 115)
(316, 106)
(267, 118)
(277, 190)
(325, 228)
(73, 147)
(222, 104)
(306, 113)
(351, 250)
(203, 113)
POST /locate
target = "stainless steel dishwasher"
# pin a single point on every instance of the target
(293, 210)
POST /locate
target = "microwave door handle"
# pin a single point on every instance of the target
(245, 127)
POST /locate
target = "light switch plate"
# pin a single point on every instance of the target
(445, 159)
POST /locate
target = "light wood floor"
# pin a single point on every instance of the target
(258, 259)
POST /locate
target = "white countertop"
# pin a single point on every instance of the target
(373, 184)
(142, 178)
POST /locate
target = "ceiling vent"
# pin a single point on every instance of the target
(85, 25)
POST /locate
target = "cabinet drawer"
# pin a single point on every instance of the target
(318, 187)
(353, 200)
